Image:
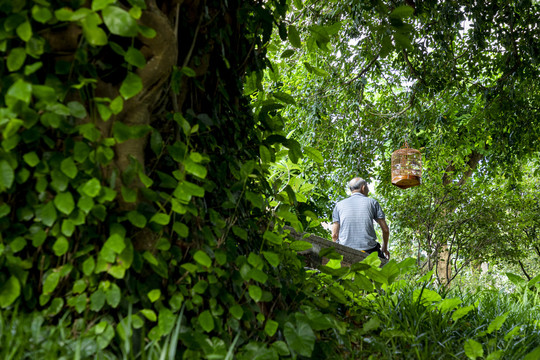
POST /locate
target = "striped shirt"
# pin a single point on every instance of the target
(355, 216)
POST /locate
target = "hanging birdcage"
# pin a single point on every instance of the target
(406, 167)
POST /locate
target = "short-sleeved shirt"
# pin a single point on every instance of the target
(355, 216)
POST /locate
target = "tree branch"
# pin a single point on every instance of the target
(523, 269)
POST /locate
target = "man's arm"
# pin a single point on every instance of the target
(335, 231)
(385, 236)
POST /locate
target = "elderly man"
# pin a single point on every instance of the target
(353, 221)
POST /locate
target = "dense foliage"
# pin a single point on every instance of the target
(143, 196)
(456, 80)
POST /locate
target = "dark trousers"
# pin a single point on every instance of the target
(378, 250)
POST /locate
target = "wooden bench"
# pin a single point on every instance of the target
(350, 255)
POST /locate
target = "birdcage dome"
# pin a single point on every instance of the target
(406, 167)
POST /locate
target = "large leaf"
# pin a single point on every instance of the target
(7, 175)
(119, 21)
(300, 338)
(497, 323)
(9, 292)
(473, 349)
(294, 37)
(15, 59)
(131, 85)
(206, 320)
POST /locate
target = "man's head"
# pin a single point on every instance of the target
(359, 185)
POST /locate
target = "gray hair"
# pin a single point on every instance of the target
(357, 184)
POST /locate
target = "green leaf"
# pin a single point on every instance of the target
(68, 227)
(95, 35)
(255, 292)
(16, 59)
(181, 229)
(136, 219)
(131, 85)
(124, 132)
(41, 14)
(241, 233)
(236, 311)
(31, 159)
(314, 154)
(272, 258)
(402, 41)
(7, 175)
(77, 109)
(202, 258)
(135, 57)
(295, 151)
(69, 168)
(129, 194)
(283, 96)
(147, 32)
(294, 37)
(402, 12)
(428, 296)
(149, 314)
(101, 4)
(116, 243)
(473, 349)
(461, 312)
(20, 90)
(97, 300)
(497, 323)
(534, 280)
(497, 354)
(5, 209)
(265, 155)
(258, 275)
(515, 279)
(300, 245)
(119, 21)
(272, 238)
(301, 339)
(533, 355)
(189, 72)
(17, 244)
(64, 203)
(60, 246)
(47, 214)
(448, 304)
(88, 266)
(80, 151)
(195, 169)
(156, 142)
(24, 31)
(51, 281)
(91, 188)
(206, 320)
(372, 324)
(114, 295)
(9, 292)
(154, 295)
(287, 53)
(117, 105)
(271, 327)
(32, 68)
(63, 14)
(161, 219)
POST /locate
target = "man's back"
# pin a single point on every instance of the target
(355, 216)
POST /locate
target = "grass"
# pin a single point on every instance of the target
(408, 320)
(414, 325)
